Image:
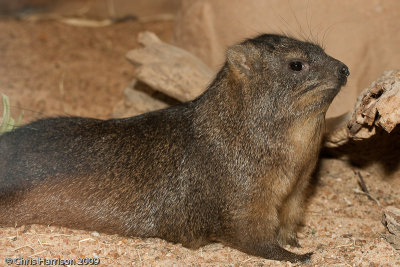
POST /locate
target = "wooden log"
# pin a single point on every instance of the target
(169, 69)
(138, 99)
(377, 106)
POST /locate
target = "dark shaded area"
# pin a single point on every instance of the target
(382, 148)
(142, 87)
(20, 7)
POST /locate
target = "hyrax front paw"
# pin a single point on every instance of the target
(289, 240)
(294, 242)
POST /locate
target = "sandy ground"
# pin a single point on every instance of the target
(49, 68)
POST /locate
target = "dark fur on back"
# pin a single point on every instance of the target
(229, 166)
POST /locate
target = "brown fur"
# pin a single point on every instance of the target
(229, 166)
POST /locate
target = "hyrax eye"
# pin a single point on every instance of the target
(297, 65)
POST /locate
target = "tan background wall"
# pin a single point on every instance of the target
(93, 9)
(365, 35)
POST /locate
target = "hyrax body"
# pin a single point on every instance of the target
(230, 166)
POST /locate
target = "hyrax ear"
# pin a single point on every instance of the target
(240, 58)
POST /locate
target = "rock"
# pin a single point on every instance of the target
(391, 220)
(169, 69)
(96, 234)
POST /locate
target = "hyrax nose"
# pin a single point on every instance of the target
(343, 71)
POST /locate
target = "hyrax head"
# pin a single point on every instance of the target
(297, 77)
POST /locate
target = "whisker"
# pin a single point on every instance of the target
(307, 89)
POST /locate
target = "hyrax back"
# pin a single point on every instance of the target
(229, 166)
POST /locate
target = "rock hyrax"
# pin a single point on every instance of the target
(230, 166)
